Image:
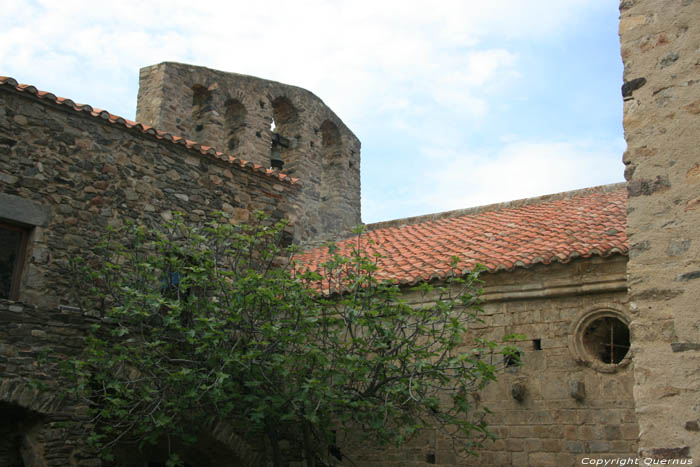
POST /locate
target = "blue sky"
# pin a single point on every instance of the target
(457, 103)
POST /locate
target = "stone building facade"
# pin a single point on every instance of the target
(556, 274)
(69, 171)
(565, 403)
(660, 49)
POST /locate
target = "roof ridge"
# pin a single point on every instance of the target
(144, 129)
(609, 188)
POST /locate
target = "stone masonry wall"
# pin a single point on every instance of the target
(41, 427)
(49, 430)
(660, 44)
(572, 408)
(88, 174)
(234, 114)
(67, 176)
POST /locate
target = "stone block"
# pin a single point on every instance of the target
(552, 445)
(612, 432)
(18, 209)
(599, 446)
(533, 445)
(515, 444)
(543, 459)
(629, 431)
(564, 459)
(586, 433)
(520, 458)
(574, 447)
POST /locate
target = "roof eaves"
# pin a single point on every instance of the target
(6, 81)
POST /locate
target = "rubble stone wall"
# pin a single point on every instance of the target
(40, 428)
(660, 45)
(83, 174)
(65, 177)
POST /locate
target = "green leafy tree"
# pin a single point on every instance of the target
(217, 322)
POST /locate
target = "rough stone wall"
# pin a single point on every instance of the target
(660, 43)
(234, 113)
(44, 429)
(67, 176)
(87, 174)
(570, 409)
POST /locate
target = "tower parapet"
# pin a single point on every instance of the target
(268, 123)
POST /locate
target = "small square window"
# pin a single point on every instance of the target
(13, 247)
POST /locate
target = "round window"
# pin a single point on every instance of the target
(607, 339)
(601, 339)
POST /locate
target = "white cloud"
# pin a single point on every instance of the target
(521, 170)
(351, 53)
(451, 179)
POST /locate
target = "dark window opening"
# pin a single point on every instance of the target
(536, 344)
(333, 176)
(284, 124)
(201, 100)
(13, 245)
(430, 459)
(513, 359)
(333, 448)
(330, 136)
(10, 443)
(607, 339)
(283, 111)
(331, 143)
(15, 423)
(234, 118)
(202, 104)
(279, 143)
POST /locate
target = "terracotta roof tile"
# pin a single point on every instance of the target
(554, 228)
(129, 124)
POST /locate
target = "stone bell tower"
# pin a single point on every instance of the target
(268, 123)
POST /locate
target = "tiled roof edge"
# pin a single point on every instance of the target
(495, 206)
(6, 81)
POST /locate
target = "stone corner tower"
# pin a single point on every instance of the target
(268, 123)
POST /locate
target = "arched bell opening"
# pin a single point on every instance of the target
(283, 127)
(234, 123)
(333, 176)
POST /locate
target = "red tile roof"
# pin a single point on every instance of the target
(129, 124)
(553, 228)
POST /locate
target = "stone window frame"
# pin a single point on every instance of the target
(20, 214)
(576, 335)
(21, 257)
